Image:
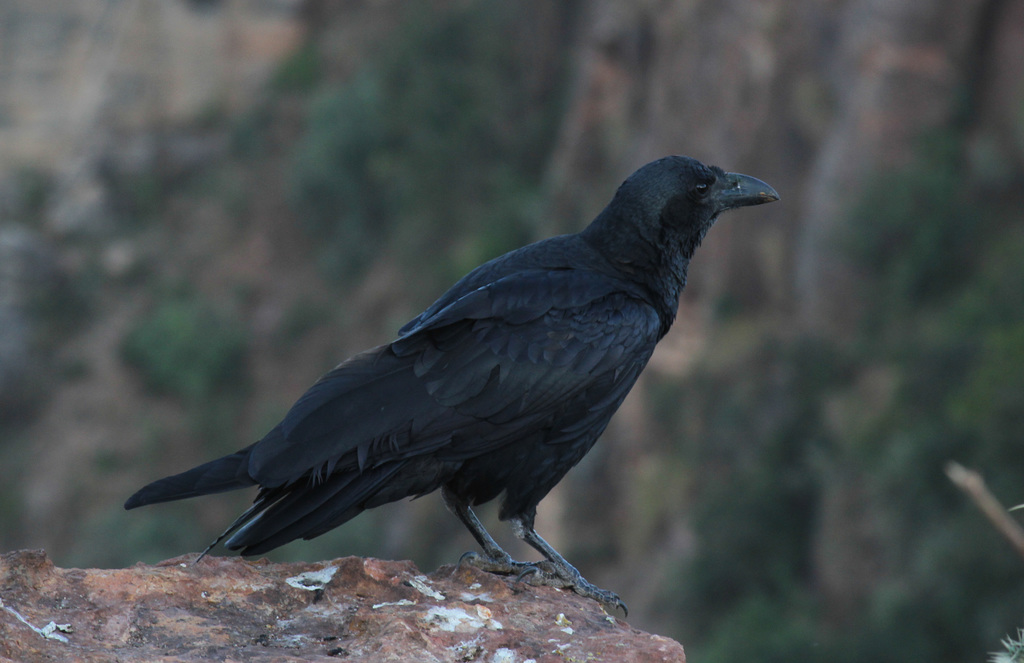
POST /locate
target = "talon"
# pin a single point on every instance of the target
(603, 596)
(469, 554)
(543, 573)
(531, 569)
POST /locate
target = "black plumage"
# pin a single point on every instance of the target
(498, 388)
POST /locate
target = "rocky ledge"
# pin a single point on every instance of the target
(348, 609)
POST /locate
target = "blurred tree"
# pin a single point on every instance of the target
(443, 136)
(941, 262)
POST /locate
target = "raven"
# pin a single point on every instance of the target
(500, 386)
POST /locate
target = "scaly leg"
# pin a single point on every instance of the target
(562, 573)
(494, 560)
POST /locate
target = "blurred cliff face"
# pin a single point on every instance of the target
(181, 185)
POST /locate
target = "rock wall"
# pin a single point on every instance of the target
(69, 72)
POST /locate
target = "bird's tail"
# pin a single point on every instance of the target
(306, 509)
(217, 476)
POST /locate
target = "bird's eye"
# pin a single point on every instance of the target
(701, 189)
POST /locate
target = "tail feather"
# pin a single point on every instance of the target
(303, 512)
(216, 476)
(238, 522)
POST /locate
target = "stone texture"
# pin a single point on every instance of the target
(71, 70)
(349, 609)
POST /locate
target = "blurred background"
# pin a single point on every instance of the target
(205, 205)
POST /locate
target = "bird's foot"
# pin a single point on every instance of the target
(544, 573)
(505, 565)
(552, 576)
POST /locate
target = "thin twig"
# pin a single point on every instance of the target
(971, 483)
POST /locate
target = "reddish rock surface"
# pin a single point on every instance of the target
(348, 609)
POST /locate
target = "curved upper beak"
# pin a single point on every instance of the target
(738, 190)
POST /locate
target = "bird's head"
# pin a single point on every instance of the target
(660, 214)
(679, 198)
(668, 206)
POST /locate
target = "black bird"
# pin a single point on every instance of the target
(501, 386)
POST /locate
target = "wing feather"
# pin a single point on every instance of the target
(499, 364)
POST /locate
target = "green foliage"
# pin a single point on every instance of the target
(15, 455)
(914, 230)
(185, 347)
(32, 188)
(335, 184)
(989, 319)
(992, 397)
(60, 309)
(249, 132)
(137, 197)
(439, 138)
(941, 258)
(301, 71)
(301, 317)
(756, 631)
(140, 536)
(758, 443)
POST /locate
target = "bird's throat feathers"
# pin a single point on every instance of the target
(653, 255)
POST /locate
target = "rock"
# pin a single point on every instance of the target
(348, 609)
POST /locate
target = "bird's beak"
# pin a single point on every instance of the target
(738, 190)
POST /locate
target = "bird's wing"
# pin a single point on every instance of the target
(503, 361)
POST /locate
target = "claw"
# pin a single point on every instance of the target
(469, 554)
(545, 573)
(529, 570)
(602, 596)
(616, 602)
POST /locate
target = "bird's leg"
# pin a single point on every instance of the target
(562, 573)
(495, 560)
